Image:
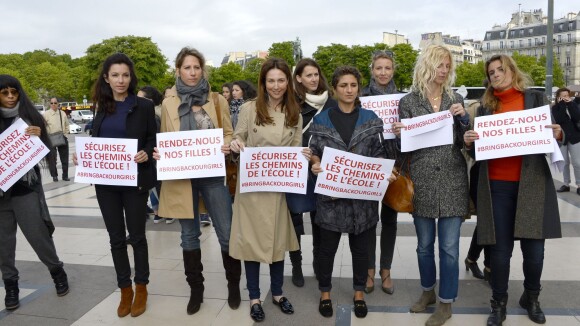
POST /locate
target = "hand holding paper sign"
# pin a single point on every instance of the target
(141, 157)
(237, 145)
(556, 131)
(33, 131)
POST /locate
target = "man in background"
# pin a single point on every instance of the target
(57, 121)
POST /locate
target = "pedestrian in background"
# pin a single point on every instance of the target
(516, 197)
(567, 114)
(241, 92)
(120, 113)
(439, 175)
(57, 121)
(23, 205)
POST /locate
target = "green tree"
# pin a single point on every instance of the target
(405, 58)
(18, 75)
(225, 74)
(252, 70)
(557, 71)
(283, 50)
(150, 64)
(469, 74)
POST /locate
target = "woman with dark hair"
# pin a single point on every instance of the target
(120, 113)
(23, 205)
(314, 96)
(382, 83)
(227, 91)
(516, 198)
(191, 105)
(241, 92)
(346, 127)
(439, 175)
(262, 230)
(567, 114)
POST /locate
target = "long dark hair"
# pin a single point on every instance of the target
(26, 109)
(102, 92)
(153, 94)
(300, 89)
(289, 104)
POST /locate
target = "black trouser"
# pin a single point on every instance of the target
(388, 239)
(299, 229)
(475, 250)
(63, 154)
(358, 247)
(120, 205)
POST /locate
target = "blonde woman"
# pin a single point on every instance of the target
(440, 177)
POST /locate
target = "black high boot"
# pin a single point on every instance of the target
(529, 301)
(233, 269)
(296, 259)
(497, 312)
(11, 300)
(194, 277)
(60, 281)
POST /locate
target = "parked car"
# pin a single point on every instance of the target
(39, 107)
(82, 115)
(73, 127)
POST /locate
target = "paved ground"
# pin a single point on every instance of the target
(82, 243)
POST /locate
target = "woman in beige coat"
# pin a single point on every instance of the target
(190, 105)
(262, 230)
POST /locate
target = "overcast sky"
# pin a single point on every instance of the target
(216, 27)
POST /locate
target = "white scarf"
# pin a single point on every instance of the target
(317, 102)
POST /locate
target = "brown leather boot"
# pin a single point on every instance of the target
(140, 302)
(126, 301)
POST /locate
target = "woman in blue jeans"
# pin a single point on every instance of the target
(516, 198)
(190, 105)
(440, 177)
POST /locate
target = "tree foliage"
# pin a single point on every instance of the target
(283, 50)
(469, 74)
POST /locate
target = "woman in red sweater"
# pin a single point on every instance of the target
(516, 198)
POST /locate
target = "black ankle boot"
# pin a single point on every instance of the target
(11, 300)
(529, 301)
(297, 276)
(497, 313)
(193, 275)
(60, 281)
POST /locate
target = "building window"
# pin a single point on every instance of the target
(568, 63)
(487, 45)
(488, 36)
(536, 41)
(512, 33)
(569, 37)
(570, 26)
(521, 32)
(543, 40)
(529, 42)
(559, 38)
(561, 27)
(530, 31)
(511, 44)
(521, 43)
(501, 34)
(543, 51)
(558, 50)
(501, 45)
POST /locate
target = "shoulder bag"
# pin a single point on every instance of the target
(58, 138)
(400, 193)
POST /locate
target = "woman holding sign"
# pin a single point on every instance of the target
(190, 105)
(346, 127)
(382, 83)
(120, 113)
(314, 96)
(23, 205)
(262, 230)
(516, 198)
(440, 177)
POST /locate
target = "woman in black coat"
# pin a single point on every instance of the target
(566, 113)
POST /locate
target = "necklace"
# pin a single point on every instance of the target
(436, 98)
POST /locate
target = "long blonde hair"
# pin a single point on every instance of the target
(520, 80)
(426, 70)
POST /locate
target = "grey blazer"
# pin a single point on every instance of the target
(439, 173)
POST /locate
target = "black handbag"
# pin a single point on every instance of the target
(299, 203)
(58, 138)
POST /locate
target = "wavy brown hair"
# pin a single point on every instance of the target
(520, 80)
(289, 104)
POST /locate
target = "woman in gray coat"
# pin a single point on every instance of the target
(440, 177)
(516, 198)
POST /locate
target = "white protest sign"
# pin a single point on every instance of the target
(274, 169)
(106, 161)
(190, 154)
(430, 130)
(348, 175)
(19, 153)
(387, 108)
(514, 133)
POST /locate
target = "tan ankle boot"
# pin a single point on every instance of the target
(140, 302)
(440, 316)
(126, 301)
(427, 298)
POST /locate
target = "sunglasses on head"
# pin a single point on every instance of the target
(8, 91)
(385, 52)
(53, 103)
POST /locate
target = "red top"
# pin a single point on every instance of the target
(507, 168)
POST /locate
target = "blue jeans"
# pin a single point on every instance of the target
(253, 278)
(448, 230)
(504, 196)
(219, 205)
